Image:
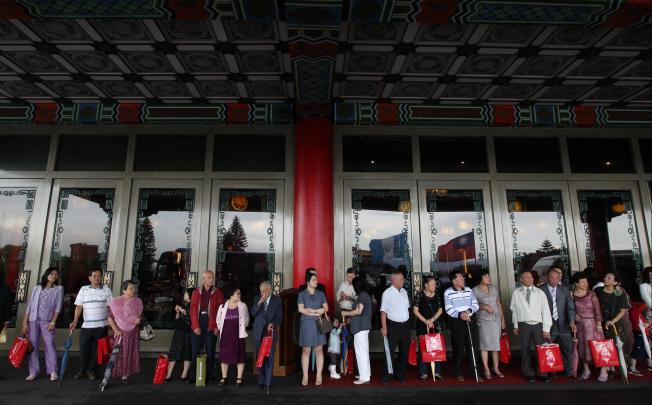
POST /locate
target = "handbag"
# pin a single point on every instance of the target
(265, 350)
(412, 353)
(550, 360)
(324, 324)
(146, 331)
(432, 347)
(200, 372)
(505, 349)
(19, 349)
(604, 353)
(104, 349)
(161, 370)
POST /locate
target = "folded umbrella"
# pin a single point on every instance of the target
(345, 349)
(111, 363)
(621, 355)
(646, 343)
(64, 359)
(388, 356)
(575, 358)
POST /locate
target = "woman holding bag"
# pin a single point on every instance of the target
(491, 322)
(427, 310)
(312, 305)
(232, 320)
(125, 314)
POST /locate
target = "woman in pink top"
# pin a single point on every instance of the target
(125, 314)
(232, 320)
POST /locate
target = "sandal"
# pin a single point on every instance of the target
(222, 382)
(318, 382)
(304, 382)
(487, 375)
(499, 374)
(238, 382)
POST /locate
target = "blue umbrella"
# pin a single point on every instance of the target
(64, 360)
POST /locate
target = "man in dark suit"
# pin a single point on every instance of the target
(268, 315)
(562, 309)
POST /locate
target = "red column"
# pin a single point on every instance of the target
(313, 201)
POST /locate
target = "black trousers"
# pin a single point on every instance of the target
(398, 334)
(461, 341)
(204, 343)
(88, 338)
(529, 334)
(565, 342)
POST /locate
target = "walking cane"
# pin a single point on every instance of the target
(475, 365)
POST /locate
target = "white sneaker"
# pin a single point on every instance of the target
(54, 377)
(334, 374)
(30, 377)
(360, 382)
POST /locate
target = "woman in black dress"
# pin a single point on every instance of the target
(180, 348)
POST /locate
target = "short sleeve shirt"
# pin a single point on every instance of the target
(312, 301)
(95, 303)
(396, 304)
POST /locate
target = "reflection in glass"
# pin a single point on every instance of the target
(610, 237)
(245, 239)
(16, 206)
(162, 251)
(381, 239)
(457, 234)
(538, 231)
(82, 232)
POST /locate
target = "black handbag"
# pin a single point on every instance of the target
(324, 324)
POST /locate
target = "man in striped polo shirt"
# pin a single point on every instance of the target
(461, 306)
(93, 300)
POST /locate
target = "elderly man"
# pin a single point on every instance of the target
(395, 321)
(562, 310)
(203, 310)
(532, 321)
(268, 315)
(346, 294)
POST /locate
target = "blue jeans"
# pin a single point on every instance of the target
(424, 367)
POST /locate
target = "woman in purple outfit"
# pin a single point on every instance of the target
(40, 319)
(125, 315)
(232, 320)
(589, 322)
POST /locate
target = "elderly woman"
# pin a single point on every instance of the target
(360, 327)
(491, 321)
(125, 315)
(588, 317)
(232, 321)
(40, 319)
(427, 311)
(312, 304)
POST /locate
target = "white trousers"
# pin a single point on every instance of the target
(361, 345)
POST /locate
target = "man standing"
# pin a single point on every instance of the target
(93, 301)
(461, 306)
(268, 315)
(532, 321)
(203, 310)
(346, 294)
(394, 318)
(6, 301)
(562, 310)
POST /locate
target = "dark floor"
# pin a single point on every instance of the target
(286, 390)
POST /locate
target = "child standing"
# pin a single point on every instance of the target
(335, 349)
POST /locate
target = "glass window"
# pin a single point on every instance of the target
(16, 207)
(170, 153)
(600, 155)
(645, 146)
(24, 152)
(457, 234)
(381, 238)
(377, 153)
(538, 230)
(453, 155)
(82, 232)
(162, 251)
(610, 236)
(527, 155)
(95, 153)
(245, 239)
(249, 153)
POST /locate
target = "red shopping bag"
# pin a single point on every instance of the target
(412, 353)
(103, 350)
(18, 350)
(549, 356)
(351, 358)
(265, 350)
(505, 349)
(432, 347)
(161, 370)
(604, 353)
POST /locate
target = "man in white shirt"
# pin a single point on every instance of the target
(395, 322)
(93, 300)
(346, 294)
(532, 322)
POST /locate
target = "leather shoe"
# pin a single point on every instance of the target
(267, 390)
(385, 382)
(92, 375)
(531, 380)
(79, 376)
(545, 379)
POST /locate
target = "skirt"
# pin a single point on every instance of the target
(181, 347)
(310, 335)
(489, 333)
(128, 362)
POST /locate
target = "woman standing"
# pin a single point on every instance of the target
(181, 348)
(427, 310)
(232, 320)
(589, 322)
(614, 305)
(125, 315)
(360, 327)
(40, 319)
(491, 322)
(312, 304)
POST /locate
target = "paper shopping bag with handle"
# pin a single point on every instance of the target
(200, 372)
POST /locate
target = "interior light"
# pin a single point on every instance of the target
(607, 163)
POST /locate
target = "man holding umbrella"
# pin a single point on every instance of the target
(462, 306)
(562, 310)
(532, 321)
